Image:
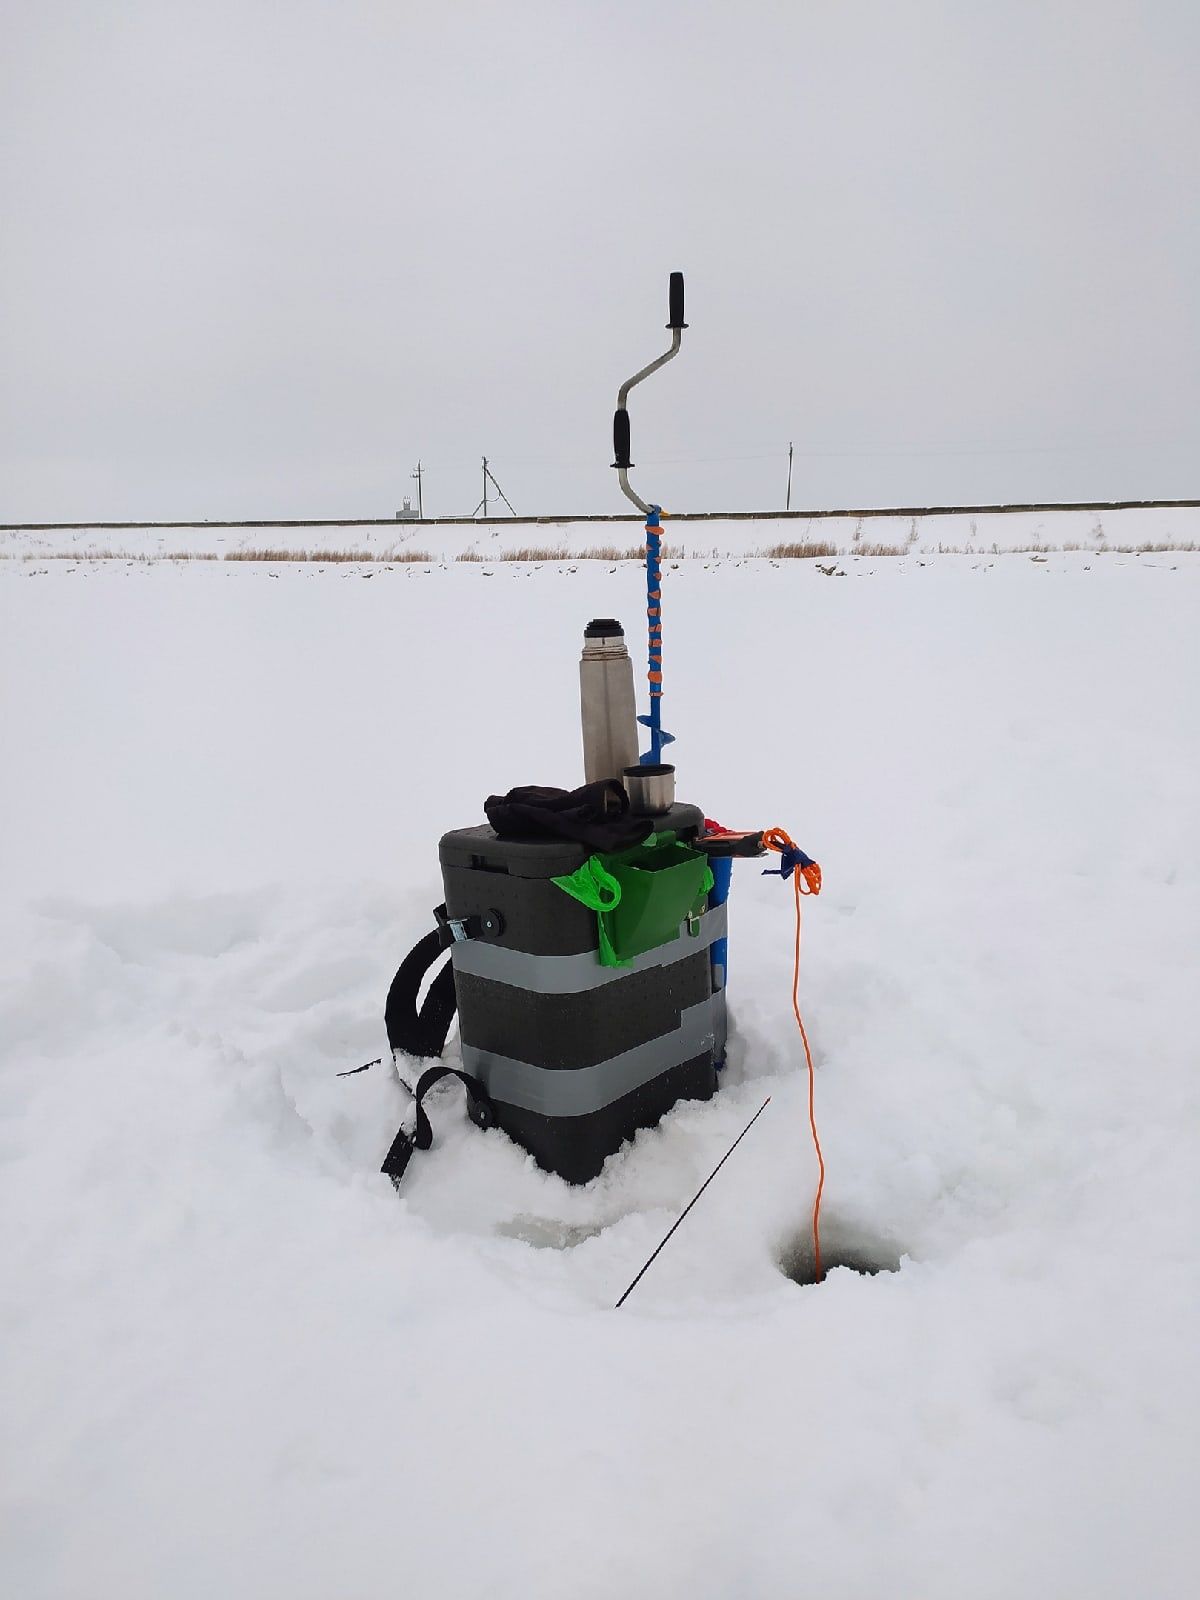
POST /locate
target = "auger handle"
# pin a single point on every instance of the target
(621, 419)
(621, 438)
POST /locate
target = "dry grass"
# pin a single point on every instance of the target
(799, 550)
(593, 552)
(615, 552)
(564, 552)
(421, 557)
(328, 556)
(117, 555)
(632, 552)
(787, 551)
(266, 555)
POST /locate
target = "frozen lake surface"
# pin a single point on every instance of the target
(236, 1362)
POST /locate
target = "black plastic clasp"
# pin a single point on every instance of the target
(483, 925)
(395, 1163)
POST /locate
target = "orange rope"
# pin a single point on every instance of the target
(778, 840)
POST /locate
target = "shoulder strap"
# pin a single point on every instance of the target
(421, 1033)
(479, 1109)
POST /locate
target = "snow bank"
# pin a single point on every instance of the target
(236, 1362)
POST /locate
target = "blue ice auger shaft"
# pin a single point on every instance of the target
(653, 514)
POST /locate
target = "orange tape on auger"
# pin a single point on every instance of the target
(808, 873)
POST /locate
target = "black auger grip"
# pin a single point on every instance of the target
(676, 302)
(621, 438)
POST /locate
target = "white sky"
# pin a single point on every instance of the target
(257, 258)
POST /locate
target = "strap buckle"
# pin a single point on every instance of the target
(480, 925)
(395, 1163)
(479, 1109)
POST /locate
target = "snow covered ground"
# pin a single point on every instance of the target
(237, 1363)
(1099, 532)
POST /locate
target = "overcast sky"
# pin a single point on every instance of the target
(256, 259)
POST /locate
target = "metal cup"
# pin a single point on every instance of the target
(651, 789)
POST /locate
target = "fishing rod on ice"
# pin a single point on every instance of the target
(655, 1254)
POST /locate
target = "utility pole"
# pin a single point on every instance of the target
(788, 506)
(489, 475)
(420, 498)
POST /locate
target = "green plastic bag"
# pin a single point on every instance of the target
(641, 896)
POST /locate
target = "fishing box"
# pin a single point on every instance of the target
(575, 1056)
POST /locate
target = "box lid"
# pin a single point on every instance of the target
(481, 848)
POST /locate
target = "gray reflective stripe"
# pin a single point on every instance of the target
(574, 974)
(720, 1010)
(573, 1092)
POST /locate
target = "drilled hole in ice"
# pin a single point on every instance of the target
(852, 1251)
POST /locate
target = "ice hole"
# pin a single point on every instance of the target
(851, 1249)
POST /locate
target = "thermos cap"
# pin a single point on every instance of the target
(651, 788)
(604, 628)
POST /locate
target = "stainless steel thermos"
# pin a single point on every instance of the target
(607, 704)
